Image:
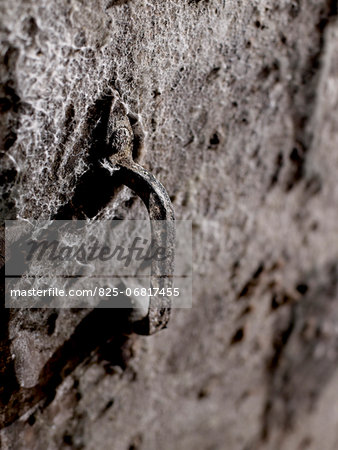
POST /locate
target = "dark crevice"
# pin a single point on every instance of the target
(333, 8)
(8, 380)
(238, 336)
(297, 158)
(278, 168)
(252, 283)
(279, 343)
(10, 106)
(51, 322)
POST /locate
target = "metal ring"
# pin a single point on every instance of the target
(161, 214)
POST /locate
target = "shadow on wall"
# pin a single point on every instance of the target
(104, 330)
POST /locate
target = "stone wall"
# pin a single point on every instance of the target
(234, 108)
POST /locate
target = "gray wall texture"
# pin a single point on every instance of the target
(234, 108)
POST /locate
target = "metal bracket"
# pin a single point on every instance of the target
(156, 199)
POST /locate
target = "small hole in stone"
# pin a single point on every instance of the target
(202, 393)
(109, 404)
(238, 336)
(214, 140)
(295, 155)
(283, 39)
(51, 323)
(67, 439)
(302, 288)
(31, 420)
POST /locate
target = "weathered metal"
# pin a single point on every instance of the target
(156, 199)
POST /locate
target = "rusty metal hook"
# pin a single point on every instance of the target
(156, 199)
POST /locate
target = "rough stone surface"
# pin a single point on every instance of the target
(234, 108)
